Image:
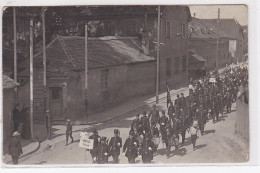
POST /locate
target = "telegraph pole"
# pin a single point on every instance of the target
(86, 71)
(31, 76)
(44, 62)
(158, 56)
(217, 53)
(15, 54)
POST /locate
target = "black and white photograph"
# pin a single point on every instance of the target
(125, 84)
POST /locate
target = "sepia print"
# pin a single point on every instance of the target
(142, 84)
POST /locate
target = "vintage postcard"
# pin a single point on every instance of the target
(125, 84)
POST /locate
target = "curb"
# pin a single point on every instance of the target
(24, 155)
(123, 114)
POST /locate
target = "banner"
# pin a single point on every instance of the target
(212, 80)
(85, 142)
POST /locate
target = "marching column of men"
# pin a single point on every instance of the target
(207, 99)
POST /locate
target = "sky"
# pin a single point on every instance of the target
(238, 12)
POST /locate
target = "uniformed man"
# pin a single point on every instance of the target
(154, 116)
(163, 121)
(145, 125)
(202, 119)
(103, 151)
(228, 101)
(147, 149)
(130, 148)
(97, 140)
(114, 145)
(136, 123)
(177, 100)
(183, 125)
(183, 101)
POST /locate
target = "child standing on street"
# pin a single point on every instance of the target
(193, 132)
(69, 132)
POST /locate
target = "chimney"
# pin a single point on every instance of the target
(194, 14)
(218, 14)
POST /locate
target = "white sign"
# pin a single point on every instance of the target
(212, 80)
(86, 143)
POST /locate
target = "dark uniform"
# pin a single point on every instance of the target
(228, 101)
(145, 125)
(171, 110)
(136, 124)
(97, 140)
(154, 116)
(202, 119)
(102, 151)
(163, 121)
(114, 146)
(130, 148)
(147, 149)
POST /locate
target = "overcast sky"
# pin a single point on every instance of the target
(238, 12)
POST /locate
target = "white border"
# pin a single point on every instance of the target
(253, 22)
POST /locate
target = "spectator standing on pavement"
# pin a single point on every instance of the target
(16, 116)
(48, 123)
(69, 132)
(15, 148)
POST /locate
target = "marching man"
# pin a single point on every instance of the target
(102, 151)
(147, 149)
(114, 145)
(97, 140)
(130, 148)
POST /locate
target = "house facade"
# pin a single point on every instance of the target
(210, 43)
(121, 60)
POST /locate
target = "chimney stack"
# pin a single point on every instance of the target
(219, 14)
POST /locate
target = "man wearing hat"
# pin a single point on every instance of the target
(163, 121)
(97, 140)
(69, 132)
(145, 125)
(48, 123)
(171, 110)
(15, 148)
(154, 116)
(147, 149)
(114, 145)
(103, 151)
(177, 100)
(136, 123)
(202, 119)
(130, 148)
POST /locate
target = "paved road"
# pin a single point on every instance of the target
(220, 144)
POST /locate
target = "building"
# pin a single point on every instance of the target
(210, 43)
(233, 31)
(8, 106)
(121, 59)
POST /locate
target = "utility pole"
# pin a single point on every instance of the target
(86, 70)
(31, 76)
(217, 52)
(158, 56)
(15, 54)
(44, 62)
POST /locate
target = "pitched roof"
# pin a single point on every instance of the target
(66, 54)
(199, 29)
(230, 27)
(8, 82)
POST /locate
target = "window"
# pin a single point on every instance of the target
(55, 93)
(176, 65)
(183, 30)
(184, 63)
(168, 67)
(168, 30)
(104, 79)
